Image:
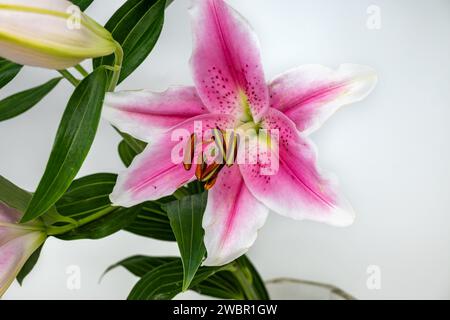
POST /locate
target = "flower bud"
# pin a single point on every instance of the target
(52, 34)
(17, 244)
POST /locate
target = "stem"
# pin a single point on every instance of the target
(246, 283)
(117, 67)
(51, 231)
(333, 289)
(69, 77)
(181, 193)
(81, 70)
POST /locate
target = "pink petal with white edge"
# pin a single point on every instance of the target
(154, 174)
(226, 61)
(145, 114)
(14, 254)
(310, 94)
(296, 189)
(232, 218)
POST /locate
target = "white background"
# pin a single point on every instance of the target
(390, 151)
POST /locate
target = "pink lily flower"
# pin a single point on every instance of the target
(231, 92)
(17, 244)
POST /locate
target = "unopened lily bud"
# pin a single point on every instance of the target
(17, 244)
(52, 34)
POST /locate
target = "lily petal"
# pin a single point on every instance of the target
(14, 254)
(310, 94)
(9, 215)
(232, 218)
(296, 189)
(8, 218)
(226, 61)
(153, 174)
(145, 114)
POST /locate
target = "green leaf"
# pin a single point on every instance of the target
(23, 101)
(166, 281)
(250, 279)
(73, 141)
(29, 265)
(126, 153)
(186, 217)
(140, 265)
(87, 195)
(8, 70)
(136, 145)
(17, 198)
(224, 283)
(87, 199)
(110, 221)
(129, 148)
(83, 4)
(13, 196)
(152, 221)
(136, 26)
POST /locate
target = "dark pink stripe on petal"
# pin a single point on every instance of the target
(310, 94)
(296, 189)
(232, 218)
(226, 61)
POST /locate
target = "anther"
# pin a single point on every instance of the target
(189, 153)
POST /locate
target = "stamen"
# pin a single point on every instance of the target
(199, 170)
(189, 153)
(210, 183)
(231, 154)
(220, 142)
(210, 171)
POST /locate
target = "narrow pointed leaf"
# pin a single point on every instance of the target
(8, 70)
(165, 281)
(82, 4)
(136, 26)
(73, 141)
(152, 221)
(126, 153)
(224, 283)
(185, 217)
(252, 279)
(13, 196)
(28, 266)
(140, 265)
(17, 198)
(109, 223)
(87, 195)
(21, 102)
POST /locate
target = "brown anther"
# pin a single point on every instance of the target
(187, 166)
(199, 170)
(211, 171)
(189, 153)
(210, 183)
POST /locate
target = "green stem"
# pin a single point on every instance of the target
(181, 193)
(246, 283)
(117, 67)
(69, 77)
(81, 70)
(51, 231)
